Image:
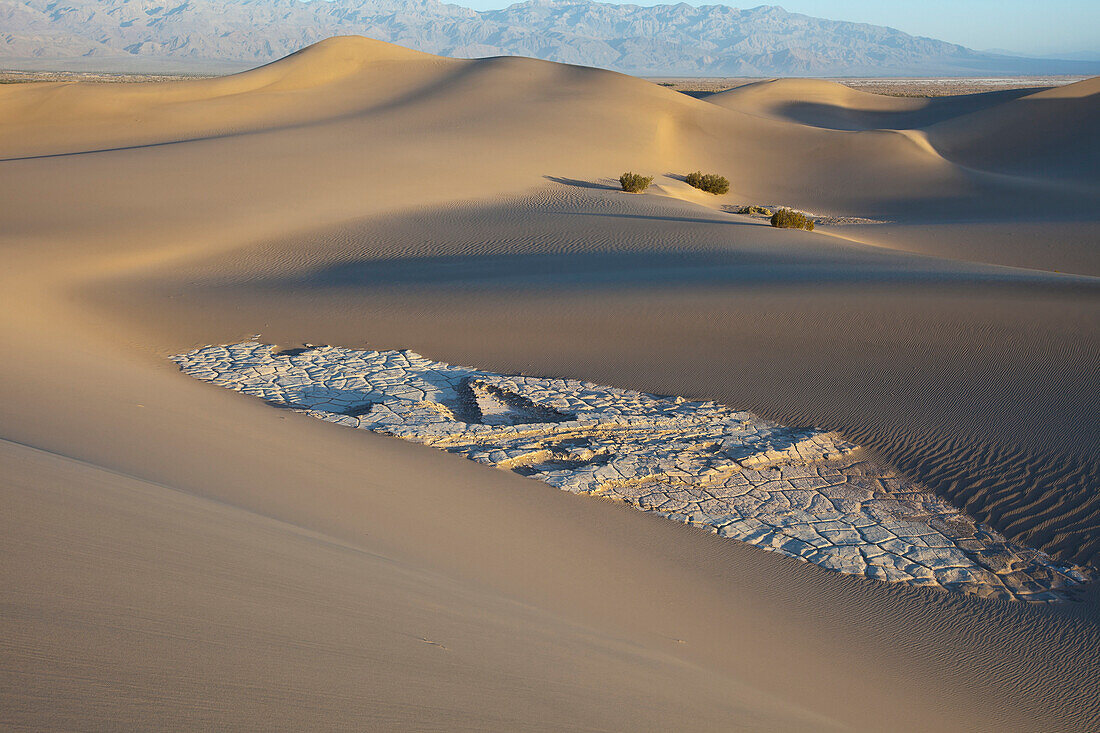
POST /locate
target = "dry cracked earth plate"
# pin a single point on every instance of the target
(797, 491)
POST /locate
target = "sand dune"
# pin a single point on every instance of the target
(1037, 132)
(332, 78)
(1036, 135)
(828, 104)
(185, 557)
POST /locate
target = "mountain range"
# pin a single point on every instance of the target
(712, 40)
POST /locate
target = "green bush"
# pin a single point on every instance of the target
(755, 210)
(787, 219)
(634, 182)
(709, 182)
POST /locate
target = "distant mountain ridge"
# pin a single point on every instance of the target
(713, 40)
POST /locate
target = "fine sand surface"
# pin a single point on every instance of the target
(178, 556)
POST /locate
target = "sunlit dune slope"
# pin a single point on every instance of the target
(336, 76)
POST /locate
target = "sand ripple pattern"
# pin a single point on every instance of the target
(800, 492)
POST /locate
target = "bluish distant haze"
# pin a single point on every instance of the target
(1018, 26)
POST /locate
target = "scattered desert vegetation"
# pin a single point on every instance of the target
(755, 210)
(709, 182)
(635, 182)
(789, 219)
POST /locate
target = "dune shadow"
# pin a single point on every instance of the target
(655, 217)
(576, 182)
(934, 111)
(644, 269)
(697, 93)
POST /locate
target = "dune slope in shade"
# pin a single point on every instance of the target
(696, 462)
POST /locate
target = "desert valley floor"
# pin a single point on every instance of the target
(178, 555)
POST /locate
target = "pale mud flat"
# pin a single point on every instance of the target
(32, 77)
(796, 491)
(178, 556)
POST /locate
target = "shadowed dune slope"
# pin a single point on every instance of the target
(822, 103)
(1047, 132)
(183, 557)
(1052, 133)
(941, 392)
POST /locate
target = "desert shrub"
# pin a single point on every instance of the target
(787, 219)
(709, 182)
(755, 210)
(634, 182)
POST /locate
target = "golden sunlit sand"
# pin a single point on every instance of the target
(180, 556)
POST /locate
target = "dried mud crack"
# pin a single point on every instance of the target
(801, 492)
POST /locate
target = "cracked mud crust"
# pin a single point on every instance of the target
(797, 491)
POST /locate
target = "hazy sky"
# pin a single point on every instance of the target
(1025, 26)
